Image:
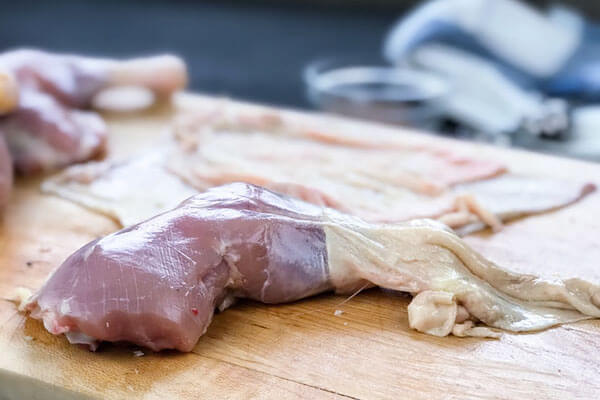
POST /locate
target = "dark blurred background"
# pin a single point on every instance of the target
(252, 50)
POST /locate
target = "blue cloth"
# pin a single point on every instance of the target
(578, 78)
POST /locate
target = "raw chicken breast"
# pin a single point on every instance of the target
(157, 283)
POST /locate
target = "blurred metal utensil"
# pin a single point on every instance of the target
(381, 93)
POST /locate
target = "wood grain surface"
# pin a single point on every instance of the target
(303, 350)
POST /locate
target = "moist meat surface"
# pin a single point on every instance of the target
(157, 283)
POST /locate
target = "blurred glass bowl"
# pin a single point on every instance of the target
(381, 93)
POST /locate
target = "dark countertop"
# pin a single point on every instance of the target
(252, 50)
(248, 50)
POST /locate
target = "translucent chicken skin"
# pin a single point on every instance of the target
(377, 176)
(43, 98)
(390, 178)
(157, 283)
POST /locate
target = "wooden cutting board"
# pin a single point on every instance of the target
(303, 350)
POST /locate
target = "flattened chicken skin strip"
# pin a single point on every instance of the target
(157, 283)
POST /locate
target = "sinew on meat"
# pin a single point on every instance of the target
(157, 283)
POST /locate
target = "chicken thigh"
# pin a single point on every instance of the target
(157, 283)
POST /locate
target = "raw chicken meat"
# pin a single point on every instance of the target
(42, 134)
(46, 128)
(137, 189)
(267, 148)
(157, 284)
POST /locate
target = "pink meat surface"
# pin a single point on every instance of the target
(49, 128)
(158, 283)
